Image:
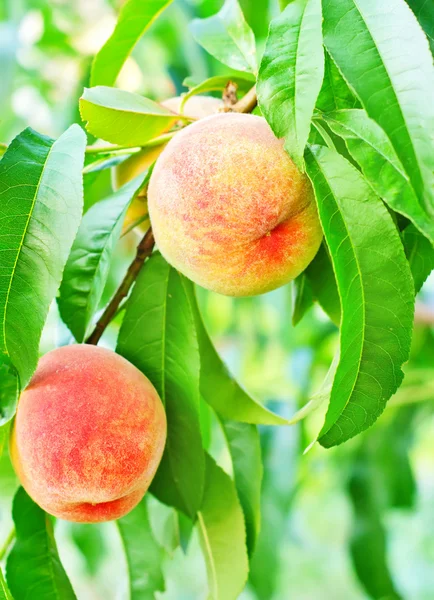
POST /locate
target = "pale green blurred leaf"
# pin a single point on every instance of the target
(223, 535)
(4, 590)
(245, 450)
(121, 117)
(135, 17)
(228, 37)
(144, 555)
(220, 389)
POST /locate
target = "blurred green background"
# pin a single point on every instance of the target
(350, 523)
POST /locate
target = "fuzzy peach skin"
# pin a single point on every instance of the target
(197, 107)
(89, 434)
(229, 209)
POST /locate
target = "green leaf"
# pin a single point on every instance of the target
(383, 54)
(222, 535)
(135, 17)
(4, 590)
(323, 283)
(9, 389)
(376, 291)
(291, 74)
(302, 298)
(368, 537)
(122, 117)
(371, 148)
(88, 264)
(158, 336)
(245, 450)
(424, 11)
(41, 198)
(243, 81)
(33, 567)
(227, 37)
(420, 255)
(335, 93)
(144, 555)
(221, 391)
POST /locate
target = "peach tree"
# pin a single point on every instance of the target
(341, 130)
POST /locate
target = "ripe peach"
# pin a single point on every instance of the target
(197, 107)
(229, 209)
(88, 435)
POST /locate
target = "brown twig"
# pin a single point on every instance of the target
(229, 96)
(247, 102)
(144, 250)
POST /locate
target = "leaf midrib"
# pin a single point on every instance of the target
(322, 433)
(20, 247)
(209, 551)
(295, 73)
(409, 137)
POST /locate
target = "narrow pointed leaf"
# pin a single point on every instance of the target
(424, 11)
(221, 391)
(41, 201)
(335, 93)
(373, 151)
(384, 55)
(227, 37)
(376, 291)
(143, 553)
(245, 450)
(158, 336)
(88, 264)
(368, 538)
(291, 74)
(33, 567)
(4, 590)
(121, 117)
(135, 17)
(420, 255)
(222, 534)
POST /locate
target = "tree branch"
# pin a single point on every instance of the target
(144, 250)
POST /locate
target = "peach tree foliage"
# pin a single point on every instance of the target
(349, 86)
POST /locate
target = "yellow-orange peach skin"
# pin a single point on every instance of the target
(197, 107)
(89, 434)
(229, 209)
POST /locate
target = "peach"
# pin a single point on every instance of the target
(229, 209)
(88, 435)
(197, 107)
